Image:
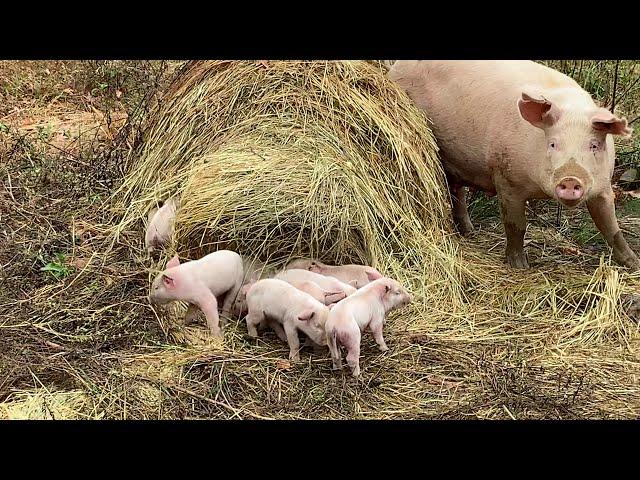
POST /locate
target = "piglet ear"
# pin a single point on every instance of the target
(168, 281)
(607, 122)
(306, 315)
(373, 274)
(537, 110)
(174, 262)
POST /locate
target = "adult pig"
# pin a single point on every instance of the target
(280, 304)
(200, 283)
(523, 131)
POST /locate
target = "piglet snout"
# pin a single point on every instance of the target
(569, 190)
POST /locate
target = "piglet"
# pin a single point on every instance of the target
(356, 275)
(279, 304)
(330, 285)
(366, 308)
(200, 283)
(160, 227)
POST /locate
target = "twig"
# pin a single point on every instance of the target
(615, 86)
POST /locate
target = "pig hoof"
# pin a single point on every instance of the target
(465, 228)
(294, 358)
(517, 261)
(384, 348)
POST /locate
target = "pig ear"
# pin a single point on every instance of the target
(174, 262)
(306, 315)
(607, 122)
(537, 110)
(168, 281)
(373, 274)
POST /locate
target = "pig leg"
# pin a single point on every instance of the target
(514, 219)
(460, 212)
(353, 355)
(191, 315)
(294, 343)
(310, 343)
(602, 210)
(278, 329)
(334, 349)
(230, 298)
(210, 308)
(333, 297)
(254, 319)
(376, 330)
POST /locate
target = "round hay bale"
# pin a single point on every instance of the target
(279, 159)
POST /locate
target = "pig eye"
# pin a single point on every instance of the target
(594, 145)
(553, 145)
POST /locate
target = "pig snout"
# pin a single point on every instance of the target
(570, 191)
(407, 299)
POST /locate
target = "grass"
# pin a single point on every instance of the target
(556, 341)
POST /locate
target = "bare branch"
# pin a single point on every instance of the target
(615, 86)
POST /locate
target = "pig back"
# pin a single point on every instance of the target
(219, 271)
(473, 109)
(325, 282)
(278, 299)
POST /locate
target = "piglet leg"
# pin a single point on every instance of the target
(353, 357)
(294, 343)
(254, 319)
(209, 305)
(376, 330)
(279, 330)
(229, 298)
(332, 343)
(191, 315)
(333, 297)
(602, 210)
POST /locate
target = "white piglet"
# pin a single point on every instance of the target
(201, 283)
(160, 226)
(366, 308)
(355, 275)
(297, 276)
(278, 304)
